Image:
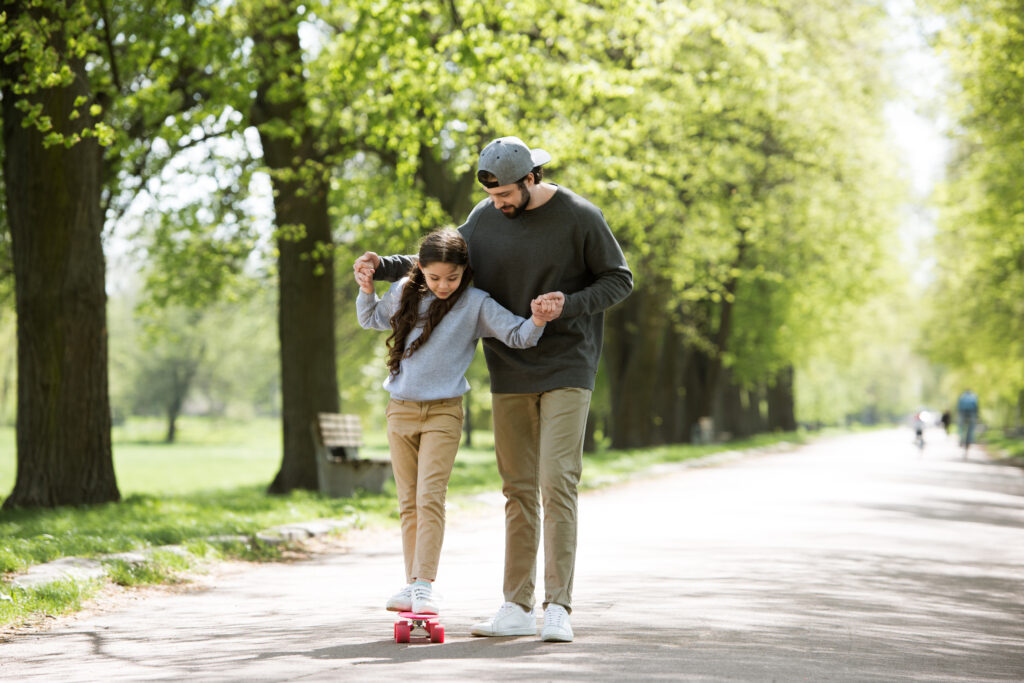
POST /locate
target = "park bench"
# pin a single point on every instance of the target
(340, 470)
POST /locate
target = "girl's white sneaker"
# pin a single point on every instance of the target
(401, 601)
(423, 600)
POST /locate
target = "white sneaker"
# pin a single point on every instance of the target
(511, 620)
(556, 625)
(423, 601)
(401, 601)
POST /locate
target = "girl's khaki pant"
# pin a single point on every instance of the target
(424, 438)
(538, 439)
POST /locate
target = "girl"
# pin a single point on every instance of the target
(435, 318)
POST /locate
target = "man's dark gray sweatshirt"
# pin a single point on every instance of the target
(564, 245)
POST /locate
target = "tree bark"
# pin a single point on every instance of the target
(781, 412)
(309, 381)
(727, 412)
(53, 199)
(455, 194)
(633, 339)
(467, 422)
(182, 372)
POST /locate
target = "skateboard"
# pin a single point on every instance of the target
(410, 624)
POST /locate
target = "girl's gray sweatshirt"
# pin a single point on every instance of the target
(438, 368)
(564, 245)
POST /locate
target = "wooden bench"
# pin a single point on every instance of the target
(340, 470)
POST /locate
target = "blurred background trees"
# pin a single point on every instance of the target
(245, 152)
(975, 326)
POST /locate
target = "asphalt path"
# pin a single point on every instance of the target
(855, 558)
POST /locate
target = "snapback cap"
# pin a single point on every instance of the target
(509, 159)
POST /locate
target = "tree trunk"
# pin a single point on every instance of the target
(697, 399)
(590, 433)
(53, 209)
(455, 194)
(781, 413)
(172, 424)
(754, 419)
(182, 371)
(633, 339)
(309, 382)
(467, 423)
(672, 390)
(728, 411)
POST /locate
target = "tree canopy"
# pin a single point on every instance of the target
(738, 149)
(976, 329)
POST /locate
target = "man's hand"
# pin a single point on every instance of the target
(366, 264)
(547, 307)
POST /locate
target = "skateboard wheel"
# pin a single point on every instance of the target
(437, 634)
(402, 632)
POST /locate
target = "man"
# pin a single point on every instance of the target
(967, 418)
(525, 238)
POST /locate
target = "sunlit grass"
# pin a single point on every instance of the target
(148, 520)
(1009, 445)
(51, 599)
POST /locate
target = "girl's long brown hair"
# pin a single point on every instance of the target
(440, 246)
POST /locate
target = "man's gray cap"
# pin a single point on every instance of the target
(509, 159)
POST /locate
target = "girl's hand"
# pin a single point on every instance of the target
(363, 269)
(365, 280)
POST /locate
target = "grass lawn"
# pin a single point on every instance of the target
(1009, 445)
(212, 482)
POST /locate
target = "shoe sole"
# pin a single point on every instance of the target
(426, 609)
(556, 638)
(511, 632)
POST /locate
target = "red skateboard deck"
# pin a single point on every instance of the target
(410, 625)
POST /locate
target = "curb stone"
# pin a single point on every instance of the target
(84, 568)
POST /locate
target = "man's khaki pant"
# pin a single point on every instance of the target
(424, 439)
(538, 439)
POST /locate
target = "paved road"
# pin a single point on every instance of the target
(852, 559)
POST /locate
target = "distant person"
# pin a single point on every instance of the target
(918, 424)
(526, 236)
(946, 419)
(967, 418)
(435, 317)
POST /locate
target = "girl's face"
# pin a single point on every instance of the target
(443, 278)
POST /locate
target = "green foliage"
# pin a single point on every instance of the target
(161, 69)
(221, 359)
(1010, 444)
(976, 327)
(736, 148)
(46, 40)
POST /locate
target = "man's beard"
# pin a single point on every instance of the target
(515, 212)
